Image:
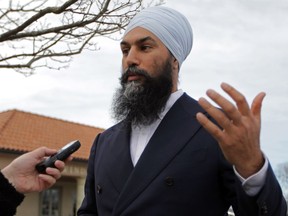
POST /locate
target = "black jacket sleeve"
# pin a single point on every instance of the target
(268, 202)
(9, 197)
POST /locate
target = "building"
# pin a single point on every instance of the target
(21, 132)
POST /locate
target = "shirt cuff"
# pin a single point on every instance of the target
(253, 184)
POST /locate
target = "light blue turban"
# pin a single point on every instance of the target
(170, 26)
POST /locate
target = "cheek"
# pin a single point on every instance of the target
(153, 66)
(157, 66)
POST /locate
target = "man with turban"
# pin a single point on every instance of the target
(170, 155)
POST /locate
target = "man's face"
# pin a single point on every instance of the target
(147, 79)
(142, 49)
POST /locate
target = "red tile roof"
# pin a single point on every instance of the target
(23, 131)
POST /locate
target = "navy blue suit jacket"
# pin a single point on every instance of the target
(181, 172)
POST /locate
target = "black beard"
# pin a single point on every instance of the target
(141, 102)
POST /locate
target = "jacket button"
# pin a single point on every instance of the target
(99, 189)
(169, 181)
(263, 209)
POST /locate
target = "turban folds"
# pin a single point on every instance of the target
(170, 26)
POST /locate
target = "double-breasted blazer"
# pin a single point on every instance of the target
(181, 172)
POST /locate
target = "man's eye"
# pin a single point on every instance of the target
(125, 51)
(145, 47)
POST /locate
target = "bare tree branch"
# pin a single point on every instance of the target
(40, 33)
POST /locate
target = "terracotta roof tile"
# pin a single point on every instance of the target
(24, 131)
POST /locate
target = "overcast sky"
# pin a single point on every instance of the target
(241, 42)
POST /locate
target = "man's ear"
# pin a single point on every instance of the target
(175, 64)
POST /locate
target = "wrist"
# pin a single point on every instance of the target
(250, 168)
(9, 176)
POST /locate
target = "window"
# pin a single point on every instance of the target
(50, 202)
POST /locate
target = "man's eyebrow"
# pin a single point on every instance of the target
(139, 41)
(148, 38)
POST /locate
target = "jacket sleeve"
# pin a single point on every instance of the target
(88, 206)
(9, 197)
(268, 202)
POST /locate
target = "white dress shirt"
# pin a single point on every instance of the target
(140, 136)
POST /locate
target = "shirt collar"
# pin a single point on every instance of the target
(170, 102)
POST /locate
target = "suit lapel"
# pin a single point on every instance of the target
(160, 150)
(119, 164)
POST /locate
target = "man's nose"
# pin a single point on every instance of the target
(133, 58)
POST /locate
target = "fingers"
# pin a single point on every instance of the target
(53, 172)
(257, 104)
(234, 113)
(217, 114)
(60, 165)
(70, 158)
(42, 152)
(209, 126)
(59, 168)
(50, 178)
(48, 151)
(240, 100)
(231, 111)
(52, 175)
(230, 115)
(48, 181)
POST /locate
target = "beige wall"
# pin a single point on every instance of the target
(69, 190)
(71, 185)
(30, 205)
(5, 159)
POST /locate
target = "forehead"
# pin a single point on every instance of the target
(137, 34)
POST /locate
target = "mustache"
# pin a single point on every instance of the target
(131, 71)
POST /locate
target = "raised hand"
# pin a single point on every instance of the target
(238, 129)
